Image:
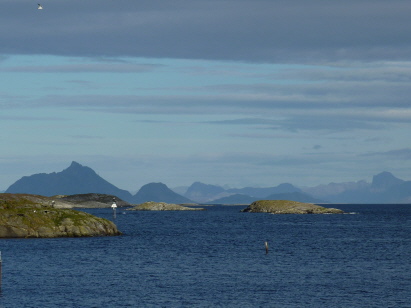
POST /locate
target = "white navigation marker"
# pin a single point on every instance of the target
(114, 206)
(39, 7)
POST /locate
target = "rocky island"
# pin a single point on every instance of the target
(288, 207)
(32, 216)
(91, 200)
(162, 206)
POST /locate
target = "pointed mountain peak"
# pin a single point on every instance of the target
(76, 179)
(75, 164)
(76, 168)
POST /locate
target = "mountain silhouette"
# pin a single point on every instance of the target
(384, 181)
(295, 196)
(76, 179)
(245, 199)
(200, 192)
(235, 199)
(158, 192)
(263, 192)
(385, 188)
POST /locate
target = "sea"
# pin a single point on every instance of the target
(217, 258)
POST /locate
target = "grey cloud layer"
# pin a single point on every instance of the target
(266, 113)
(258, 30)
(81, 68)
(318, 98)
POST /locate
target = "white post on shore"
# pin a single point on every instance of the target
(114, 207)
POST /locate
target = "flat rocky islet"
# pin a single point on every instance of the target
(91, 200)
(33, 216)
(162, 206)
(288, 207)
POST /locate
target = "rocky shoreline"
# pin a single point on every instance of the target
(288, 207)
(32, 216)
(162, 206)
(92, 200)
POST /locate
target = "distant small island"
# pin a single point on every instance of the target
(288, 207)
(162, 206)
(33, 216)
(91, 200)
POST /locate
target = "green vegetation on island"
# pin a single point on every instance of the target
(288, 207)
(31, 216)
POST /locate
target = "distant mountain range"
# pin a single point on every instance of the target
(78, 179)
(158, 192)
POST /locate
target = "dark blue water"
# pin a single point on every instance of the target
(216, 258)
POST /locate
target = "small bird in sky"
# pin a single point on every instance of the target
(39, 6)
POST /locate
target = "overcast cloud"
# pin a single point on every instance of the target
(224, 92)
(242, 30)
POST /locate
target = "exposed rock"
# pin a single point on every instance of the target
(288, 207)
(35, 200)
(93, 200)
(162, 206)
(30, 216)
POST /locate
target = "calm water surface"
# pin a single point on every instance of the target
(216, 258)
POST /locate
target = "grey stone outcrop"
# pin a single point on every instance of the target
(288, 207)
(31, 216)
(162, 206)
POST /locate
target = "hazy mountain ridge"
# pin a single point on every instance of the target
(384, 188)
(158, 192)
(201, 192)
(245, 199)
(78, 179)
(331, 189)
(264, 192)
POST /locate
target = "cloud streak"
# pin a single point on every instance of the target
(257, 31)
(398, 154)
(84, 68)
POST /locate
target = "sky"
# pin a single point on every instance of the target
(225, 92)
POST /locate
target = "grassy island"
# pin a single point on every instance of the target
(32, 216)
(288, 207)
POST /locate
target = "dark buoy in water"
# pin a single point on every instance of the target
(266, 247)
